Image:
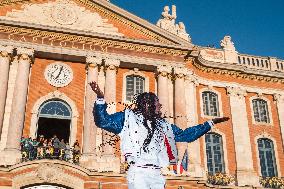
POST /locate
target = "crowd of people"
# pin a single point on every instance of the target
(53, 148)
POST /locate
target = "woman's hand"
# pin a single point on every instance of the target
(220, 119)
(95, 87)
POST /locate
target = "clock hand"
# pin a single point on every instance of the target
(53, 72)
(59, 72)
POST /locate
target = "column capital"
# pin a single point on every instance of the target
(94, 60)
(180, 72)
(112, 64)
(236, 92)
(189, 76)
(279, 98)
(25, 54)
(25, 51)
(6, 50)
(164, 70)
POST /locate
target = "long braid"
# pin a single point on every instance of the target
(146, 105)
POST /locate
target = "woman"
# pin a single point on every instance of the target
(144, 135)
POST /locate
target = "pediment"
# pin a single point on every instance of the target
(90, 17)
(62, 14)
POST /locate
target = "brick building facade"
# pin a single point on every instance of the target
(51, 49)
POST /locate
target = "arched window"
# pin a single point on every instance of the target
(267, 157)
(134, 85)
(210, 104)
(260, 110)
(214, 153)
(55, 109)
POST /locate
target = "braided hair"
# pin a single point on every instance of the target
(146, 105)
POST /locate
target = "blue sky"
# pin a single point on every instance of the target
(256, 26)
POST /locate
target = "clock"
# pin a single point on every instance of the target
(58, 74)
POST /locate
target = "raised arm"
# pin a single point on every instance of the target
(109, 122)
(192, 133)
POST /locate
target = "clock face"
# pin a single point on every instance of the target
(58, 74)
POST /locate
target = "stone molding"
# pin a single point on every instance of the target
(85, 53)
(237, 70)
(62, 13)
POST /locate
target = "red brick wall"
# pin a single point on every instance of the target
(39, 87)
(225, 128)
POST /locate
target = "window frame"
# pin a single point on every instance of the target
(219, 105)
(223, 151)
(272, 150)
(136, 73)
(135, 77)
(269, 112)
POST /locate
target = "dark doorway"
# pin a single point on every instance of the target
(51, 126)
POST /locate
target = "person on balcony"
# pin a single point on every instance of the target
(143, 133)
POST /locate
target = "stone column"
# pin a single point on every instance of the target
(90, 129)
(279, 99)
(245, 173)
(180, 108)
(110, 97)
(163, 92)
(5, 52)
(17, 116)
(194, 165)
(108, 161)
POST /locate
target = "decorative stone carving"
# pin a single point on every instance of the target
(49, 172)
(62, 13)
(236, 91)
(112, 64)
(25, 51)
(164, 70)
(278, 98)
(167, 22)
(212, 55)
(180, 72)
(227, 44)
(94, 60)
(7, 49)
(231, 55)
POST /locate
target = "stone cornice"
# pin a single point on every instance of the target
(84, 53)
(238, 71)
(248, 89)
(129, 20)
(104, 42)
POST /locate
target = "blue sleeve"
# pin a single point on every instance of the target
(112, 123)
(190, 134)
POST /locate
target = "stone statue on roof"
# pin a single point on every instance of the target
(168, 22)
